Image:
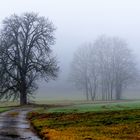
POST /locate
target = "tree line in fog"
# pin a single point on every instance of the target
(103, 68)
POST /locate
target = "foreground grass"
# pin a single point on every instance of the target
(106, 125)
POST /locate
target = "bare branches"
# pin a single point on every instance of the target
(26, 53)
(106, 67)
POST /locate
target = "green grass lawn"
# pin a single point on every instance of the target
(8, 103)
(97, 107)
(3, 109)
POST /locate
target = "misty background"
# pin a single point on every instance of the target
(77, 22)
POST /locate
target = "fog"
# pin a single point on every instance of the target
(77, 22)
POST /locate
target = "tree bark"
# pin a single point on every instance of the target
(23, 98)
(23, 93)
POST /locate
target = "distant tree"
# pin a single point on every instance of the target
(84, 73)
(106, 66)
(25, 55)
(117, 66)
(78, 74)
(125, 71)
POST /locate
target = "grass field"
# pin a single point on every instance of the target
(2, 109)
(97, 107)
(8, 103)
(101, 121)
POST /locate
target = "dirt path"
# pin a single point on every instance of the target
(14, 126)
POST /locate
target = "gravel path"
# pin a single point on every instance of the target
(14, 126)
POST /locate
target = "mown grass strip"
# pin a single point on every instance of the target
(81, 108)
(3, 109)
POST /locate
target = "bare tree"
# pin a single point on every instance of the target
(125, 71)
(103, 50)
(78, 74)
(117, 67)
(26, 55)
(93, 67)
(84, 71)
(106, 66)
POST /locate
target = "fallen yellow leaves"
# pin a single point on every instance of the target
(122, 125)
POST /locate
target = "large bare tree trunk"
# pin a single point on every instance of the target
(23, 94)
(23, 98)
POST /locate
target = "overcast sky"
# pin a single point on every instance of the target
(77, 22)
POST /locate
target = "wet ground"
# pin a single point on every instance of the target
(14, 126)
